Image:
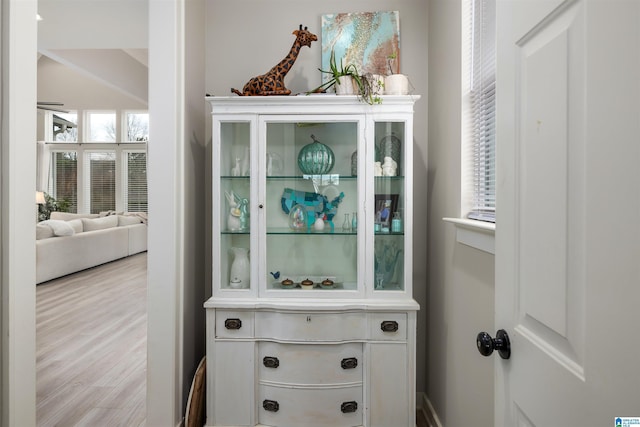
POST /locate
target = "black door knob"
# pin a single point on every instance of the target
(501, 342)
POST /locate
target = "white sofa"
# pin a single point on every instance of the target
(72, 242)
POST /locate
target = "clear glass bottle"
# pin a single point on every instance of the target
(346, 225)
(396, 223)
(354, 221)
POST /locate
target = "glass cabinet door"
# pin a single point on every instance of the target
(312, 211)
(234, 165)
(390, 206)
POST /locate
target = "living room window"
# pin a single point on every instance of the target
(100, 181)
(63, 178)
(103, 175)
(64, 126)
(135, 181)
(136, 126)
(100, 126)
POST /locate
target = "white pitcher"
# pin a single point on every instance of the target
(240, 268)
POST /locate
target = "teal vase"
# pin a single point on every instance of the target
(316, 158)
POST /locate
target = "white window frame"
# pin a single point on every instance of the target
(81, 147)
(469, 229)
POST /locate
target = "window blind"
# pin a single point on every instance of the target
(63, 180)
(100, 181)
(483, 109)
(135, 181)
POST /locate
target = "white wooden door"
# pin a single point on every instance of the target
(568, 224)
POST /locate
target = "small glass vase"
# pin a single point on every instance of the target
(354, 222)
(346, 225)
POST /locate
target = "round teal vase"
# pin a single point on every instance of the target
(316, 158)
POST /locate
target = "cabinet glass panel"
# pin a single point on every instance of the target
(312, 204)
(233, 204)
(388, 214)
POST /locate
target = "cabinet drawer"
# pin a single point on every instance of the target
(310, 326)
(234, 324)
(388, 326)
(335, 407)
(310, 364)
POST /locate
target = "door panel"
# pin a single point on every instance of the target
(568, 204)
(551, 202)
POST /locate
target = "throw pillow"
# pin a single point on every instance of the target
(128, 220)
(60, 228)
(76, 224)
(43, 231)
(93, 224)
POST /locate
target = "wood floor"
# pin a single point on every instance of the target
(91, 346)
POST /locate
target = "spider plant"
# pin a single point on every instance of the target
(335, 72)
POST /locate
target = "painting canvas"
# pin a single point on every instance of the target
(365, 39)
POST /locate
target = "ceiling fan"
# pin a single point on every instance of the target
(50, 106)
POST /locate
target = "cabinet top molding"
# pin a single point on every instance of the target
(343, 104)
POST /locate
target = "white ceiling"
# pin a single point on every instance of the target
(106, 39)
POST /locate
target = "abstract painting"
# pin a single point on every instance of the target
(366, 39)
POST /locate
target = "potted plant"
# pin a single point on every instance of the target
(347, 81)
(395, 83)
(52, 205)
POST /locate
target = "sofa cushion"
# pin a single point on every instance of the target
(76, 224)
(67, 216)
(43, 231)
(128, 220)
(60, 228)
(92, 224)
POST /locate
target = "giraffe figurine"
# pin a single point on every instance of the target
(272, 83)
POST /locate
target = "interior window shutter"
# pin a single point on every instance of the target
(136, 182)
(483, 109)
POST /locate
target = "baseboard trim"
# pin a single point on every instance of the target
(428, 411)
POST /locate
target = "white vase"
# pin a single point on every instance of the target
(344, 86)
(396, 84)
(240, 273)
(318, 225)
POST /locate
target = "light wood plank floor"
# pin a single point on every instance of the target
(91, 343)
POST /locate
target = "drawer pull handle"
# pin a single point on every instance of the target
(270, 362)
(389, 326)
(233, 323)
(348, 407)
(349, 363)
(271, 405)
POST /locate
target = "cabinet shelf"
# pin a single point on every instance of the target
(326, 232)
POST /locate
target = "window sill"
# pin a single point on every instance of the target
(477, 234)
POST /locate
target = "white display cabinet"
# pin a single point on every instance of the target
(312, 321)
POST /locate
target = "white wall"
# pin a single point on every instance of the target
(460, 299)
(247, 38)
